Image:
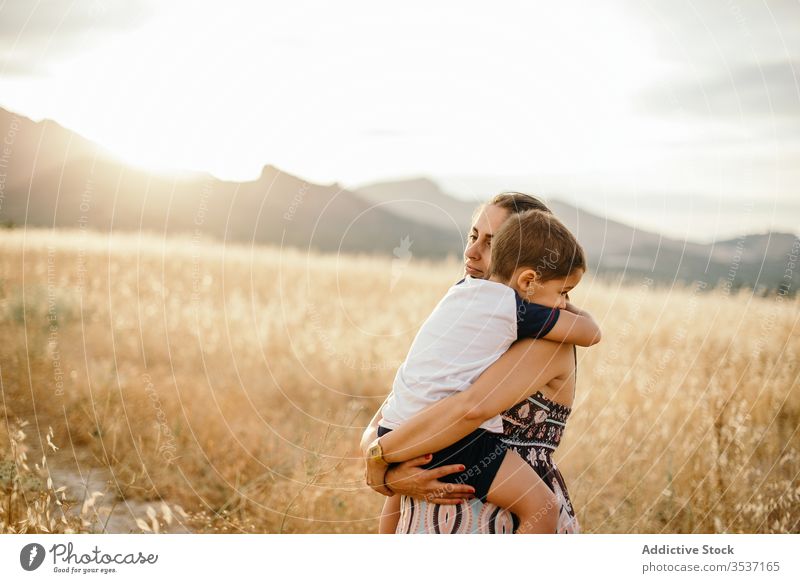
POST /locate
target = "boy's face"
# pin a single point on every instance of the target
(551, 293)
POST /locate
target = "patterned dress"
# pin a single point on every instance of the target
(533, 428)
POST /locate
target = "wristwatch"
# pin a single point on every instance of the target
(375, 452)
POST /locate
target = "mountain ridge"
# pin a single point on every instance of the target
(57, 178)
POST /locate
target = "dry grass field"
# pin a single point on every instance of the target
(224, 389)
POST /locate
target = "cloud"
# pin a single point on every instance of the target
(703, 35)
(33, 33)
(384, 132)
(753, 90)
(729, 63)
(16, 67)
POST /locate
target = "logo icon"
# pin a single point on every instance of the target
(402, 255)
(31, 556)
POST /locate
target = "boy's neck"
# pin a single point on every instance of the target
(506, 282)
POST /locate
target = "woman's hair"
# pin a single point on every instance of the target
(537, 240)
(515, 202)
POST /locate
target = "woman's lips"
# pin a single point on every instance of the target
(472, 271)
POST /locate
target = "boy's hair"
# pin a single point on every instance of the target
(539, 241)
(514, 203)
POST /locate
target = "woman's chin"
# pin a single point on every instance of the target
(473, 272)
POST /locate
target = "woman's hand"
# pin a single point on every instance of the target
(409, 479)
(375, 477)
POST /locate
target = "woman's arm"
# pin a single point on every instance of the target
(525, 367)
(371, 431)
(369, 435)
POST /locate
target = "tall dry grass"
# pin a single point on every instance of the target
(235, 382)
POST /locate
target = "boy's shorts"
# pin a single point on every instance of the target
(481, 453)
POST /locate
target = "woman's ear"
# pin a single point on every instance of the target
(526, 281)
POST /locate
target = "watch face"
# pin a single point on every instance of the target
(375, 452)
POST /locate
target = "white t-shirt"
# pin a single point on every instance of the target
(470, 328)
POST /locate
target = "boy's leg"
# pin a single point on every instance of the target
(518, 488)
(390, 515)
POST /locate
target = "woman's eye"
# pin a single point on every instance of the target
(471, 237)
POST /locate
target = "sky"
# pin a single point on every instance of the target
(679, 116)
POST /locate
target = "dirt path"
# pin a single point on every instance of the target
(110, 513)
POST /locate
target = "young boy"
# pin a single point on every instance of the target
(536, 261)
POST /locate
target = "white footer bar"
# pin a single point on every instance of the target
(389, 559)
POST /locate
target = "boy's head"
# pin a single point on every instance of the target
(534, 253)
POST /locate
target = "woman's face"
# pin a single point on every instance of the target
(477, 255)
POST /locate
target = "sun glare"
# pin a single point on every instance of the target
(332, 102)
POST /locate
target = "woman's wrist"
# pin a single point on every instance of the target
(386, 480)
(376, 477)
(375, 452)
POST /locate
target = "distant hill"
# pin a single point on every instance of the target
(38, 147)
(56, 178)
(420, 199)
(616, 248)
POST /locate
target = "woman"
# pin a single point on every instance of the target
(532, 426)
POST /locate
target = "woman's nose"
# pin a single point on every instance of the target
(471, 252)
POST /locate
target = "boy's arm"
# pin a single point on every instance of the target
(570, 325)
(575, 326)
